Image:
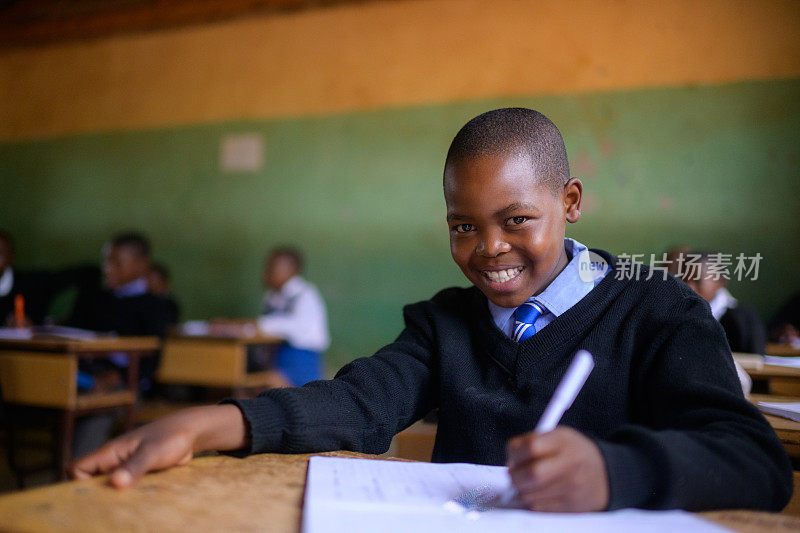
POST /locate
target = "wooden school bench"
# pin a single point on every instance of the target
(43, 372)
(258, 493)
(212, 361)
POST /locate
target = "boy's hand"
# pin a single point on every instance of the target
(168, 442)
(559, 471)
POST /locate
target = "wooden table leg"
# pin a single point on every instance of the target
(133, 386)
(64, 448)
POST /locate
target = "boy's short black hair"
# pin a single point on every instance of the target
(292, 253)
(134, 241)
(514, 129)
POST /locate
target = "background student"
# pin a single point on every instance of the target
(743, 327)
(121, 303)
(785, 326)
(293, 310)
(159, 283)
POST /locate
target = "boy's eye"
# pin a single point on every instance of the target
(515, 221)
(464, 228)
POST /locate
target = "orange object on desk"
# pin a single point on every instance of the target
(19, 309)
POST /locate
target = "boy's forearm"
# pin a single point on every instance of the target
(216, 427)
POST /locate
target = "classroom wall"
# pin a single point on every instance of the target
(682, 124)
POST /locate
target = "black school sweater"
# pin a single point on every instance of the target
(744, 329)
(663, 403)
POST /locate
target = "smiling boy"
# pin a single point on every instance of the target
(660, 423)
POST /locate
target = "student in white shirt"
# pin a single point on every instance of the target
(293, 310)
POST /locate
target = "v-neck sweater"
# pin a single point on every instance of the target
(663, 403)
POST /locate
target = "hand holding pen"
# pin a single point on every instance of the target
(557, 469)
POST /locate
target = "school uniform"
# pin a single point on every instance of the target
(663, 403)
(126, 310)
(296, 313)
(789, 313)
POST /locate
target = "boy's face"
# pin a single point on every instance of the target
(506, 228)
(122, 264)
(278, 270)
(705, 285)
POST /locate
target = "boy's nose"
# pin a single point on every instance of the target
(492, 246)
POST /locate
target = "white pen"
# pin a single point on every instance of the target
(566, 392)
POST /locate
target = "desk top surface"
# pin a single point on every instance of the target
(774, 371)
(256, 339)
(259, 493)
(101, 344)
(781, 349)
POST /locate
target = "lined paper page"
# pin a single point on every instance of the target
(367, 495)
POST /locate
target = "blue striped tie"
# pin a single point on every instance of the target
(524, 317)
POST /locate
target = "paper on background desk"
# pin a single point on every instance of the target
(776, 360)
(790, 410)
(368, 495)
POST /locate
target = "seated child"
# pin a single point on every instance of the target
(660, 423)
(292, 309)
(159, 283)
(123, 303)
(785, 326)
(743, 327)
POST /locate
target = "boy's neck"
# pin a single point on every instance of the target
(561, 264)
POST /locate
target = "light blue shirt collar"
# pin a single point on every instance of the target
(563, 292)
(136, 287)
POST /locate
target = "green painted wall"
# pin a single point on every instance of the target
(361, 194)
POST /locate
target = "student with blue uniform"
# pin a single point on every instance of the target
(660, 423)
(293, 310)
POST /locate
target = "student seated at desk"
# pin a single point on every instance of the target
(123, 303)
(292, 309)
(660, 423)
(159, 283)
(785, 326)
(743, 327)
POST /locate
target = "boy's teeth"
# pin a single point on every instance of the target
(501, 276)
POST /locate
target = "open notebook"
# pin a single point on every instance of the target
(367, 495)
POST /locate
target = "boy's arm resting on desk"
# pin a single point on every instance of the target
(697, 443)
(361, 409)
(168, 442)
(358, 410)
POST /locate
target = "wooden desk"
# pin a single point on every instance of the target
(43, 372)
(781, 349)
(259, 493)
(212, 362)
(780, 380)
(788, 431)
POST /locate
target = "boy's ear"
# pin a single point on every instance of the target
(573, 194)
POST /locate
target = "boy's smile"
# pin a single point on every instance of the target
(506, 226)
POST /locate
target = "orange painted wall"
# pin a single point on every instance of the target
(387, 54)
